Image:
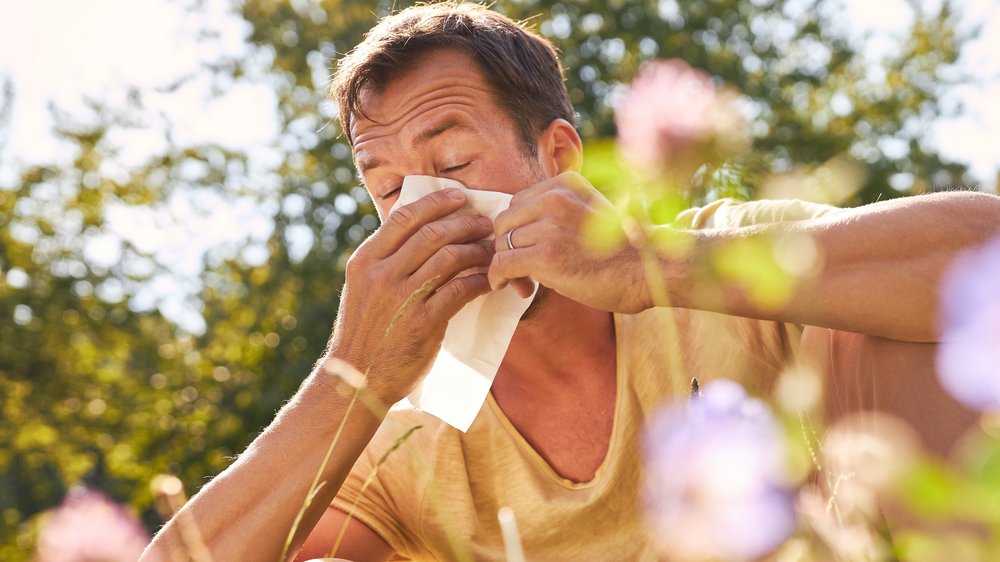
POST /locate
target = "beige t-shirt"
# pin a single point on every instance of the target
(437, 496)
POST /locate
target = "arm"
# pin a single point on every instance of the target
(864, 375)
(245, 513)
(880, 265)
(359, 543)
(399, 294)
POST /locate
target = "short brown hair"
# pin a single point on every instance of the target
(522, 67)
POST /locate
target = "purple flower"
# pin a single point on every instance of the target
(674, 119)
(968, 359)
(715, 481)
(88, 527)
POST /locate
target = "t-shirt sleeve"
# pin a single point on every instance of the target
(773, 341)
(730, 213)
(386, 497)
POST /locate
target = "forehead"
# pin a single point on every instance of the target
(443, 80)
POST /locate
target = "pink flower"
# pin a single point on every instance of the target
(88, 527)
(968, 359)
(715, 480)
(674, 119)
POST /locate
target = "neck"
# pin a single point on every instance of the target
(560, 343)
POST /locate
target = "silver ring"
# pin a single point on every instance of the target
(510, 241)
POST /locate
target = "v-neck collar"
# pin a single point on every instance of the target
(613, 443)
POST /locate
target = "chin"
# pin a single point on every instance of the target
(541, 296)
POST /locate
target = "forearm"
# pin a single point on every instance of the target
(391, 321)
(247, 511)
(878, 271)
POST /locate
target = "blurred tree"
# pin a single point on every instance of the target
(812, 95)
(96, 386)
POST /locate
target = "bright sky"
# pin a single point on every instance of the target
(60, 50)
(57, 50)
(92, 49)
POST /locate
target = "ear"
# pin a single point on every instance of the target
(560, 149)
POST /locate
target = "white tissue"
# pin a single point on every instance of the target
(477, 337)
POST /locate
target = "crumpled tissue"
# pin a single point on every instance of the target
(477, 338)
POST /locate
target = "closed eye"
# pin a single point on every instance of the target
(391, 193)
(454, 169)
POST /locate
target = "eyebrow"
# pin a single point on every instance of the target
(423, 138)
(369, 164)
(447, 125)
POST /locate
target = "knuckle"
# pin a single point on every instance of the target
(439, 197)
(565, 196)
(431, 232)
(485, 250)
(500, 260)
(470, 222)
(356, 264)
(457, 288)
(403, 217)
(452, 254)
(555, 197)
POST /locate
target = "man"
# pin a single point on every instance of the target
(458, 91)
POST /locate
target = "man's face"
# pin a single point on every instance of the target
(439, 119)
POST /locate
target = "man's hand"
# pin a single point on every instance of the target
(408, 268)
(547, 220)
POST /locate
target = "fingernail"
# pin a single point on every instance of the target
(455, 194)
(485, 222)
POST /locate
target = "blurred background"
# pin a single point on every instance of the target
(177, 203)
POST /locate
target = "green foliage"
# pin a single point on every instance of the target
(97, 388)
(814, 96)
(956, 509)
(93, 391)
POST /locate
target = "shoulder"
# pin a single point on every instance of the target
(396, 463)
(404, 431)
(386, 487)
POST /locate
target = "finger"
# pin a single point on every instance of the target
(515, 216)
(535, 190)
(431, 237)
(456, 293)
(548, 200)
(525, 236)
(400, 225)
(510, 265)
(450, 261)
(524, 286)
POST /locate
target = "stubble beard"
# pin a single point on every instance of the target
(541, 296)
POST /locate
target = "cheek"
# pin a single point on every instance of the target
(382, 208)
(512, 175)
